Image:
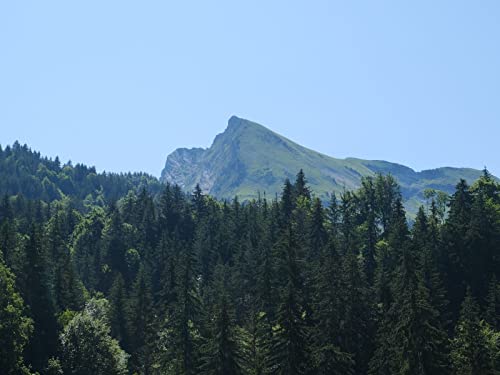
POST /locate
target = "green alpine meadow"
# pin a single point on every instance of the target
(248, 160)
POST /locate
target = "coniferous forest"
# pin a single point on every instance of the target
(118, 274)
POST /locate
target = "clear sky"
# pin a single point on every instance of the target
(121, 84)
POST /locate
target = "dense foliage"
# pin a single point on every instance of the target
(170, 283)
(27, 173)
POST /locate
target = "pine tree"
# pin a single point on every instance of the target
(482, 237)
(287, 203)
(15, 326)
(492, 313)
(291, 338)
(118, 310)
(256, 341)
(355, 312)
(198, 201)
(471, 353)
(333, 217)
(181, 331)
(87, 254)
(243, 286)
(38, 294)
(290, 342)
(328, 357)
(348, 234)
(167, 279)
(369, 229)
(318, 235)
(266, 280)
(411, 338)
(387, 194)
(455, 242)
(114, 249)
(425, 243)
(68, 291)
(300, 187)
(140, 324)
(8, 235)
(419, 340)
(221, 351)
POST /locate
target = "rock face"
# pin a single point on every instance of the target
(248, 159)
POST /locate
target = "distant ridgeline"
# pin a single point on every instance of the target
(26, 172)
(243, 161)
(247, 158)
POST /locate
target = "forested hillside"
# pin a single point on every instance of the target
(25, 172)
(168, 283)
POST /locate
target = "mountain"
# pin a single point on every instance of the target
(247, 158)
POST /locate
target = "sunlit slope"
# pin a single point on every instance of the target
(248, 159)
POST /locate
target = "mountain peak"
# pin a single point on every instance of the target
(238, 123)
(241, 129)
(248, 158)
(234, 121)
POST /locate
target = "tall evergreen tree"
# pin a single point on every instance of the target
(425, 244)
(256, 341)
(221, 351)
(355, 312)
(300, 187)
(15, 326)
(87, 250)
(181, 332)
(140, 324)
(327, 355)
(471, 352)
(419, 340)
(68, 291)
(369, 227)
(492, 313)
(455, 242)
(291, 338)
(114, 249)
(38, 294)
(118, 312)
(318, 235)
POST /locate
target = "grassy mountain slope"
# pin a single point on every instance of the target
(248, 158)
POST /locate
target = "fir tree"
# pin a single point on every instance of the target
(455, 242)
(15, 326)
(221, 351)
(118, 310)
(256, 341)
(38, 294)
(418, 339)
(492, 313)
(328, 357)
(300, 187)
(181, 332)
(471, 353)
(67, 288)
(291, 338)
(140, 324)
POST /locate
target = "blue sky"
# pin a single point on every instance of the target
(121, 84)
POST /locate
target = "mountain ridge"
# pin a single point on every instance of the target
(248, 158)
